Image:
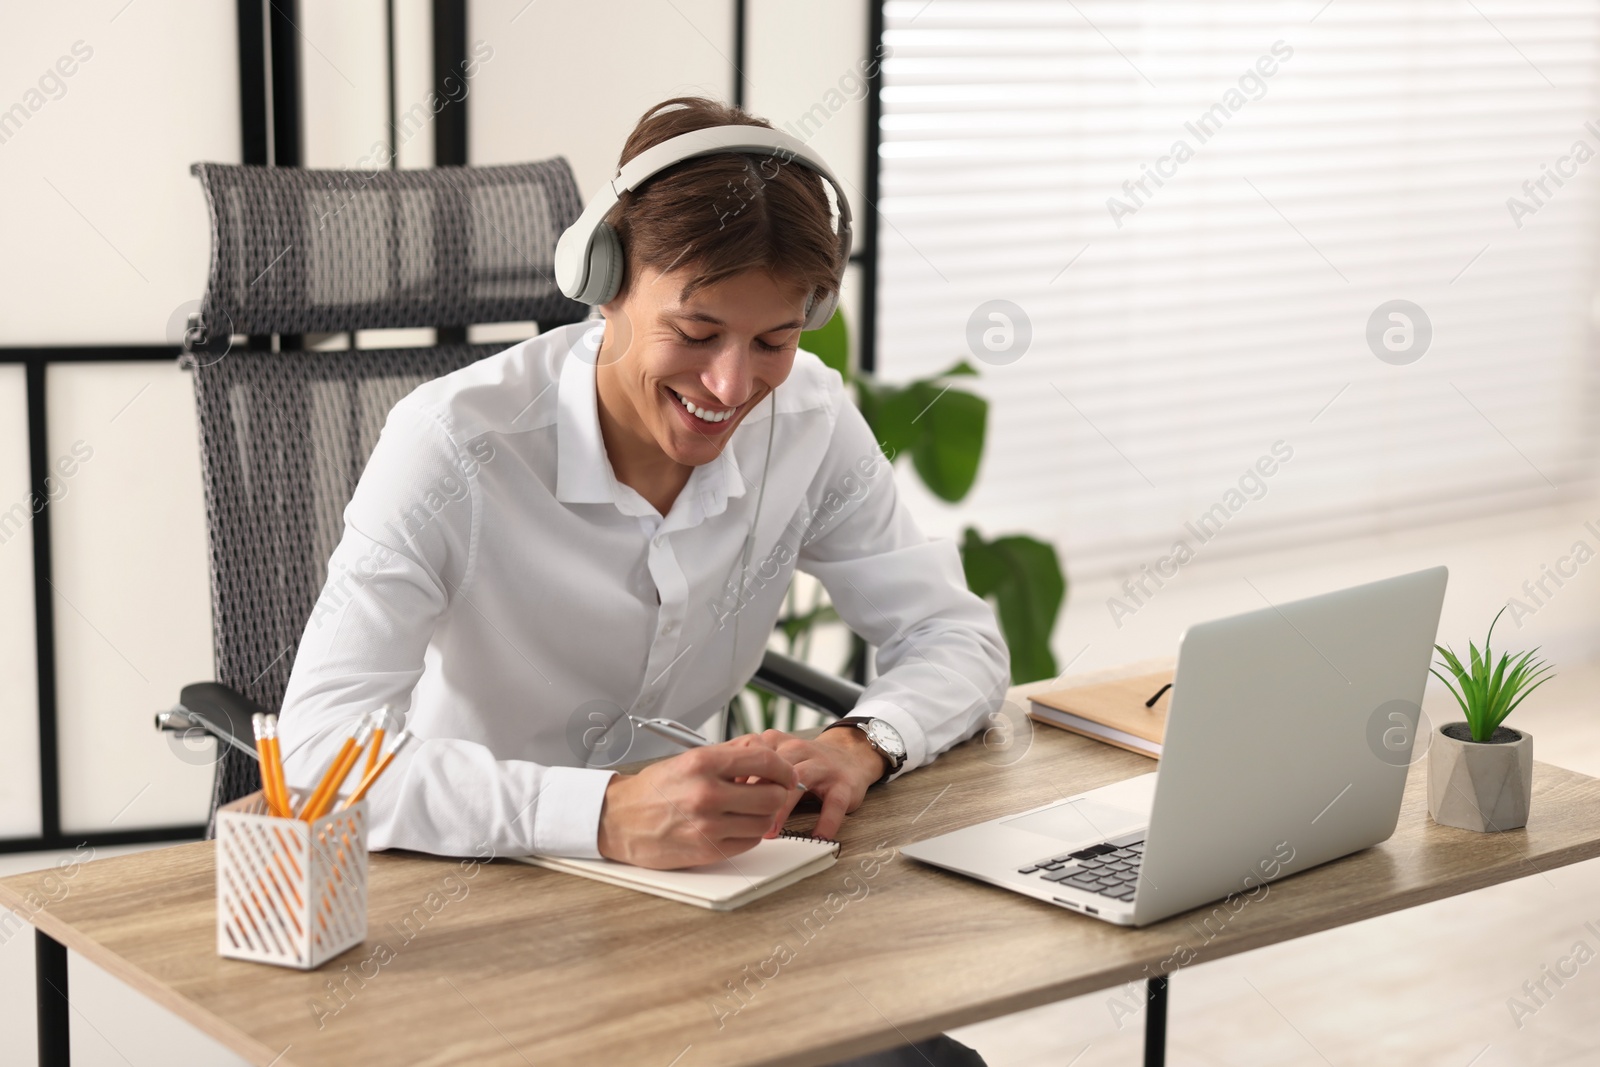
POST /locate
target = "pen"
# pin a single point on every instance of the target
(675, 732)
(680, 734)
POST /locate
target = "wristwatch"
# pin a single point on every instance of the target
(884, 739)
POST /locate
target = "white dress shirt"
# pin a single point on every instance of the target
(498, 584)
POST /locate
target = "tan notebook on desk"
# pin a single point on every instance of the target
(720, 886)
(1113, 712)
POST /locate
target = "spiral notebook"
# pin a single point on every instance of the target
(722, 886)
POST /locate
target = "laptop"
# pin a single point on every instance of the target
(1289, 732)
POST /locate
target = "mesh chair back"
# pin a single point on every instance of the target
(322, 251)
(284, 436)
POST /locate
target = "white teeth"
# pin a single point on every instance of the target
(701, 413)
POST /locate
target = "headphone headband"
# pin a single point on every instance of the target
(589, 257)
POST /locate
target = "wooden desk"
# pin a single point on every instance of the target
(506, 964)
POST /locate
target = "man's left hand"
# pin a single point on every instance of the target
(837, 767)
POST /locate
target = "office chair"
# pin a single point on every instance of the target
(284, 435)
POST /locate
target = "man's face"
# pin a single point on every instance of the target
(722, 351)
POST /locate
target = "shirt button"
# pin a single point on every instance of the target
(661, 540)
(668, 627)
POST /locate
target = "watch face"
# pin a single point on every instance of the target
(887, 738)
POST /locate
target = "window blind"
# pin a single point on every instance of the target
(1202, 217)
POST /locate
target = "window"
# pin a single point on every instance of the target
(1204, 215)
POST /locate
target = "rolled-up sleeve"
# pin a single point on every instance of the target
(405, 554)
(943, 664)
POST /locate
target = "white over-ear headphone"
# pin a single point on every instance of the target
(589, 257)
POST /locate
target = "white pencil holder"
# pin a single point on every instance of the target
(290, 892)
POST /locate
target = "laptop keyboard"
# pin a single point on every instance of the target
(1109, 870)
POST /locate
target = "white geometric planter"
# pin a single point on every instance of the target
(290, 892)
(1483, 786)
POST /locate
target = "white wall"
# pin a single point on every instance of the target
(130, 592)
(806, 75)
(572, 79)
(106, 231)
(344, 80)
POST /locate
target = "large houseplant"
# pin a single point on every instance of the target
(1480, 773)
(942, 429)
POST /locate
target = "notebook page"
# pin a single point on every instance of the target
(713, 883)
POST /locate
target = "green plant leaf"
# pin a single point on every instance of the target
(891, 411)
(831, 343)
(1024, 578)
(1453, 691)
(1499, 680)
(1525, 678)
(942, 428)
(1524, 695)
(950, 446)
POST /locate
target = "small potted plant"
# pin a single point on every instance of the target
(1480, 773)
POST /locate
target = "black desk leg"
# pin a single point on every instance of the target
(1155, 1022)
(50, 970)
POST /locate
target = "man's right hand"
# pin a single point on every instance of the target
(695, 807)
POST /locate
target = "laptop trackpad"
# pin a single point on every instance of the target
(1080, 820)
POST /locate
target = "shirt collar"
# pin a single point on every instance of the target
(583, 473)
(583, 470)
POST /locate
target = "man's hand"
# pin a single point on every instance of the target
(837, 767)
(700, 806)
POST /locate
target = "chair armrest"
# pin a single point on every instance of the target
(225, 714)
(802, 683)
(216, 709)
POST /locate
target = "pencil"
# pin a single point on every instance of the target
(377, 741)
(258, 725)
(337, 770)
(371, 776)
(279, 785)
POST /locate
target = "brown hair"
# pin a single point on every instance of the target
(724, 214)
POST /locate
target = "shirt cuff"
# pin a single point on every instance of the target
(904, 723)
(566, 819)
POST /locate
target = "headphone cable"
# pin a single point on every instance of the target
(744, 564)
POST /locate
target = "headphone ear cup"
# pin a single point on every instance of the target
(605, 266)
(818, 314)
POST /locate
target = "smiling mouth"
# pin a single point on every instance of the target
(710, 416)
